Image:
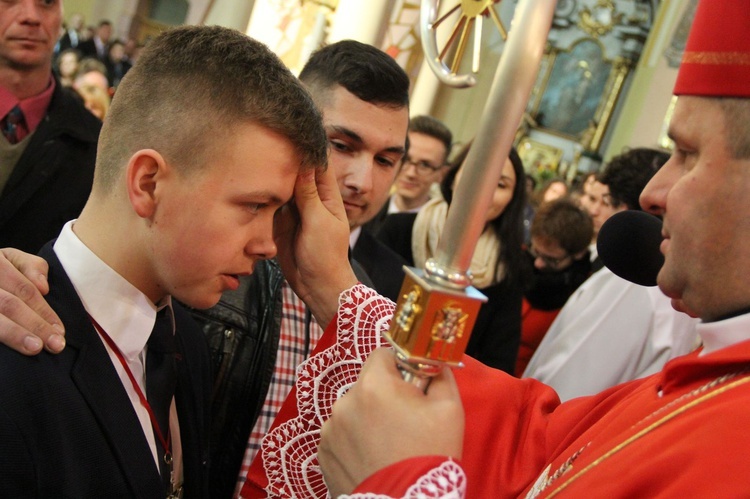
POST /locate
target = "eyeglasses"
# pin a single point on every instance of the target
(548, 260)
(423, 167)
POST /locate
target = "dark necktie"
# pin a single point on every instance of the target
(161, 379)
(10, 124)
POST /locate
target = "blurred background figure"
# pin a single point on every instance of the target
(423, 167)
(95, 99)
(552, 189)
(117, 64)
(559, 260)
(98, 45)
(72, 34)
(91, 72)
(49, 147)
(66, 66)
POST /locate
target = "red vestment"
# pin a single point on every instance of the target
(535, 323)
(681, 432)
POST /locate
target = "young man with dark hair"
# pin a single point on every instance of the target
(559, 257)
(174, 212)
(430, 143)
(624, 183)
(616, 188)
(560, 234)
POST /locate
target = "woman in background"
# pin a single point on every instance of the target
(497, 265)
(67, 66)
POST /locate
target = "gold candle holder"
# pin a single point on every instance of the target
(431, 326)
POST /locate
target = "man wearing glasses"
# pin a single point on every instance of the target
(611, 330)
(425, 164)
(559, 257)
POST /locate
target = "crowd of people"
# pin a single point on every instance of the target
(210, 297)
(91, 61)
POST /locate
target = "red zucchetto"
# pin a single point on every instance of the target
(717, 56)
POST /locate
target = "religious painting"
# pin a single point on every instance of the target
(575, 85)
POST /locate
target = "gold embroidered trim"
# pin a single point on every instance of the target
(717, 58)
(648, 429)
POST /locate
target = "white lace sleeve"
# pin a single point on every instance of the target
(447, 481)
(290, 450)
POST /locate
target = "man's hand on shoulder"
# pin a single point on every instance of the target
(26, 320)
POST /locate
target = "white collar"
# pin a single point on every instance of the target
(721, 334)
(354, 236)
(124, 312)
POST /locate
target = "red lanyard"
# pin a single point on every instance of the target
(164, 441)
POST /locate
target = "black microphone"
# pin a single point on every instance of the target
(628, 244)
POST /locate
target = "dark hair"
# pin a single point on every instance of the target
(365, 71)
(532, 179)
(509, 224)
(627, 174)
(192, 78)
(564, 222)
(434, 128)
(576, 186)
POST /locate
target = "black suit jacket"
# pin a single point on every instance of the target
(383, 265)
(66, 42)
(87, 48)
(67, 426)
(376, 222)
(52, 179)
(395, 233)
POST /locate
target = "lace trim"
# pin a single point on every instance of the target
(447, 481)
(290, 450)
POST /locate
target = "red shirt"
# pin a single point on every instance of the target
(34, 108)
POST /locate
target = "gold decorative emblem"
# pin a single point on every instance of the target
(601, 19)
(409, 311)
(447, 329)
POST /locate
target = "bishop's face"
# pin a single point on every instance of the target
(701, 192)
